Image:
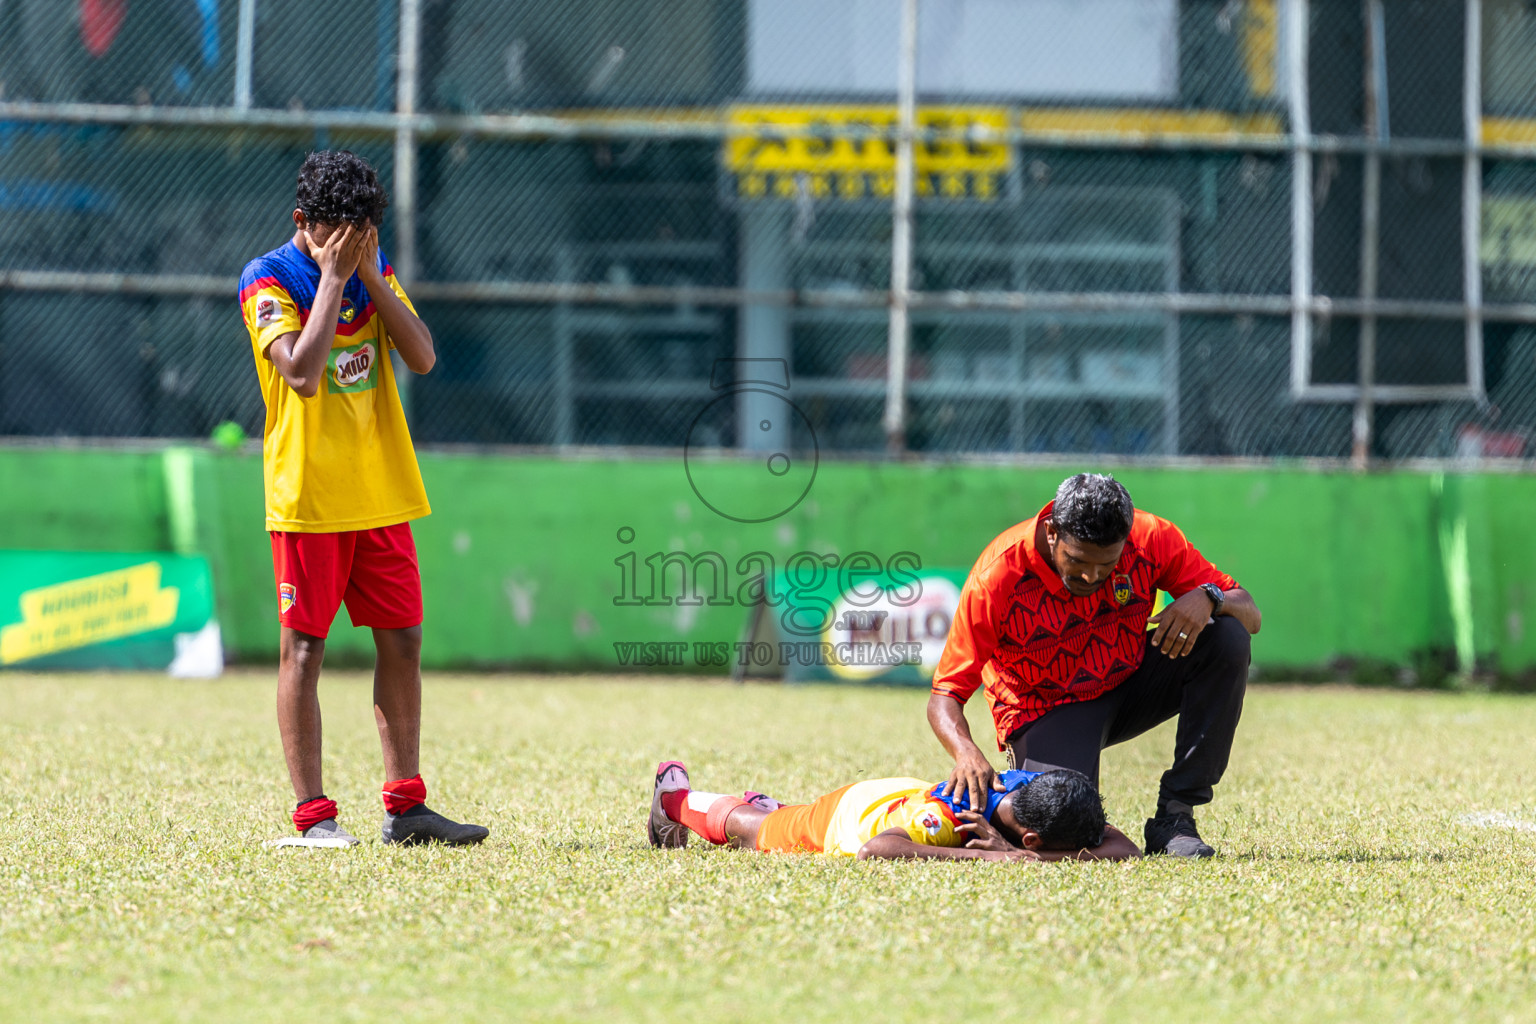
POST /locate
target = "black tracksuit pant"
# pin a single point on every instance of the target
(1204, 689)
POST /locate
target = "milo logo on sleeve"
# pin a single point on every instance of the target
(353, 369)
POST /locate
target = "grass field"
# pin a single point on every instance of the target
(134, 884)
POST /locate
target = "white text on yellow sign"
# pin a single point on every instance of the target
(839, 152)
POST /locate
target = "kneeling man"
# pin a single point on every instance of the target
(1052, 625)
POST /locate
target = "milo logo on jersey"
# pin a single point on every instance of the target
(353, 368)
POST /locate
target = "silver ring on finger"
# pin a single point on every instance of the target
(1183, 636)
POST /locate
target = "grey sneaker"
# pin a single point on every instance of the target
(762, 801)
(323, 834)
(420, 824)
(671, 776)
(1176, 835)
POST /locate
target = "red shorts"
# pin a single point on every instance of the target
(373, 571)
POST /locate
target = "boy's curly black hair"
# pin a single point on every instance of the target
(1063, 807)
(337, 187)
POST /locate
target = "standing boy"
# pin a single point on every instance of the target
(342, 483)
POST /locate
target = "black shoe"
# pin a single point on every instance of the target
(1176, 835)
(422, 825)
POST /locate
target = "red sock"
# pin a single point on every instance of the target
(674, 804)
(403, 794)
(313, 812)
(702, 813)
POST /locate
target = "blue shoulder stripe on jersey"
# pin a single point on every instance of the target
(300, 276)
(1012, 780)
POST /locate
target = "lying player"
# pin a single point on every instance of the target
(1036, 816)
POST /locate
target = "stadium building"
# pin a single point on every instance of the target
(1111, 250)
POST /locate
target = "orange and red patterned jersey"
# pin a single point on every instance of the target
(1020, 635)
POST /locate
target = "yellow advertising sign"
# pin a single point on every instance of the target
(1149, 123)
(810, 150)
(78, 613)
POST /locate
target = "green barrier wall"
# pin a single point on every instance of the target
(519, 559)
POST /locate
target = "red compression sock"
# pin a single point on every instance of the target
(702, 813)
(313, 812)
(403, 794)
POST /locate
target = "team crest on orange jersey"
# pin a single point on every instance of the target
(1122, 590)
(286, 595)
(348, 311)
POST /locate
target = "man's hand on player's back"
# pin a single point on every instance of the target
(972, 778)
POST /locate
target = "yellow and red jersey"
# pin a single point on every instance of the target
(1031, 645)
(342, 459)
(877, 805)
(845, 819)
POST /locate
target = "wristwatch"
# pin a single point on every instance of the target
(1217, 597)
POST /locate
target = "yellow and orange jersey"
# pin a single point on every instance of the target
(342, 459)
(845, 819)
(879, 805)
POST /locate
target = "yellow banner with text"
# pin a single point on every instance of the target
(848, 152)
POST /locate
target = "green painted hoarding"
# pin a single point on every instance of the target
(546, 561)
(82, 609)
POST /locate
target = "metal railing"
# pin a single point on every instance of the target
(1261, 134)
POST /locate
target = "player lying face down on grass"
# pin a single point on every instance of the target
(342, 484)
(1034, 816)
(1053, 626)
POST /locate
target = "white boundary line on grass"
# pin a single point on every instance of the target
(1497, 819)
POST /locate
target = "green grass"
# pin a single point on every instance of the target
(134, 883)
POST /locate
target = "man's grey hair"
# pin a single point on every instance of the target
(1094, 508)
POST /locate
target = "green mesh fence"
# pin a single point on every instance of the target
(609, 198)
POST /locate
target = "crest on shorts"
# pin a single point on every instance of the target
(1121, 585)
(286, 595)
(348, 311)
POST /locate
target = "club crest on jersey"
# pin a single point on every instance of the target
(286, 595)
(352, 369)
(930, 822)
(348, 311)
(266, 310)
(1122, 590)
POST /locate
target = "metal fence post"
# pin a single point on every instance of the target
(404, 199)
(1298, 28)
(1472, 198)
(901, 236)
(1377, 130)
(245, 54)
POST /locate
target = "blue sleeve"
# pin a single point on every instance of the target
(1012, 780)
